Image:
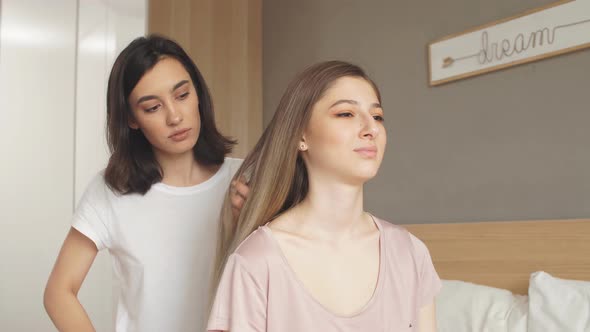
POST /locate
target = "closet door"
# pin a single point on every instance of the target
(37, 86)
(55, 59)
(104, 29)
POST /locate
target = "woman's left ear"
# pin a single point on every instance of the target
(132, 123)
(302, 144)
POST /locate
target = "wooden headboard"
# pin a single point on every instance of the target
(504, 254)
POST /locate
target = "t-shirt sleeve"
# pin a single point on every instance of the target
(429, 283)
(234, 165)
(91, 214)
(240, 302)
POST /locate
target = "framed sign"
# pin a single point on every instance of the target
(558, 28)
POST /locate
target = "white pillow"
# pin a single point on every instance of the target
(558, 304)
(467, 307)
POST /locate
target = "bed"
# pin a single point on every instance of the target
(511, 275)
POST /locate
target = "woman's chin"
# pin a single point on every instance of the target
(363, 176)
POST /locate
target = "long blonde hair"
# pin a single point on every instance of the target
(274, 169)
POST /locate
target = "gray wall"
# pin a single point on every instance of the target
(509, 145)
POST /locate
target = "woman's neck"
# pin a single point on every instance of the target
(183, 170)
(331, 211)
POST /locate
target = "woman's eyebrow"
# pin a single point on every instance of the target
(179, 84)
(174, 88)
(345, 101)
(354, 102)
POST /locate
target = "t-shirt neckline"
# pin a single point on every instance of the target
(365, 308)
(160, 186)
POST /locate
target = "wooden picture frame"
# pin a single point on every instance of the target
(551, 30)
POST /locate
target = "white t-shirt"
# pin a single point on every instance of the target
(162, 246)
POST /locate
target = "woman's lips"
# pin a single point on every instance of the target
(368, 152)
(180, 135)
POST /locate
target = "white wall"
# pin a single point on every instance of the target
(54, 63)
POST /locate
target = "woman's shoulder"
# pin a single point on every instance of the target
(256, 245)
(233, 160)
(391, 230)
(233, 164)
(98, 188)
(398, 235)
(256, 251)
(97, 195)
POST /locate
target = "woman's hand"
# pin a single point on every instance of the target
(239, 193)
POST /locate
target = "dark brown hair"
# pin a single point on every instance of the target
(132, 167)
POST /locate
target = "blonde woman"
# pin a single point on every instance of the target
(304, 255)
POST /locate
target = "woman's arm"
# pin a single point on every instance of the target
(60, 299)
(427, 318)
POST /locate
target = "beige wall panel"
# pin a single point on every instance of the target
(224, 38)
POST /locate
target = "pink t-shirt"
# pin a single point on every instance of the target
(259, 291)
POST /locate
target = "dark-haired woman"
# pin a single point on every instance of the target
(156, 205)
